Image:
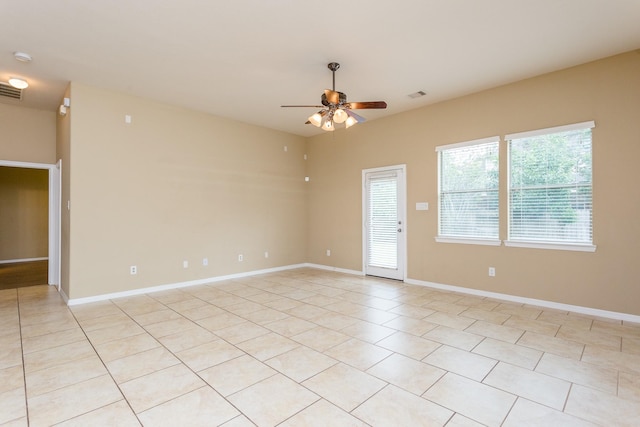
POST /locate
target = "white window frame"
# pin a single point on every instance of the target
(523, 243)
(464, 240)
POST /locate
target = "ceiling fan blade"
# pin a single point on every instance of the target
(312, 106)
(366, 105)
(358, 118)
(332, 96)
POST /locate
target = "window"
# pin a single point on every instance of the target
(550, 186)
(468, 192)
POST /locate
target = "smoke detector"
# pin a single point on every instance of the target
(22, 57)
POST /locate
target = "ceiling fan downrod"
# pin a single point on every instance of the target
(333, 66)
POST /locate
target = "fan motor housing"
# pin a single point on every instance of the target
(342, 99)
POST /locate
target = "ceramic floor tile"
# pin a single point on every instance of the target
(519, 311)
(487, 316)
(409, 345)
(472, 399)
(498, 332)
(537, 387)
(99, 336)
(320, 338)
(394, 406)
(116, 414)
(454, 337)
(242, 332)
(161, 386)
(629, 386)
(527, 413)
(407, 373)
(12, 405)
(11, 378)
(266, 346)
(322, 414)
(170, 327)
(631, 345)
(414, 311)
(266, 408)
(600, 339)
(187, 304)
(239, 421)
(236, 374)
(201, 312)
(602, 408)
(367, 331)
(46, 328)
(66, 374)
(344, 386)
(202, 407)
(450, 320)
(156, 317)
(127, 346)
(612, 359)
(209, 354)
(336, 321)
(11, 353)
(45, 359)
(575, 371)
(461, 362)
(549, 344)
(140, 364)
(220, 321)
(461, 421)
(68, 402)
(95, 309)
(411, 325)
(301, 363)
(188, 338)
(290, 326)
(358, 354)
(54, 339)
(308, 311)
(537, 326)
(93, 323)
(510, 353)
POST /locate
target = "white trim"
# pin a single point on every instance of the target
(402, 212)
(103, 297)
(11, 261)
(545, 245)
(468, 143)
(54, 221)
(336, 269)
(531, 301)
(557, 129)
(468, 241)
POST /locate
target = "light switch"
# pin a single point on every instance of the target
(422, 206)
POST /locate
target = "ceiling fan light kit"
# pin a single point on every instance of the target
(335, 109)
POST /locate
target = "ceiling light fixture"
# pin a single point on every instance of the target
(18, 83)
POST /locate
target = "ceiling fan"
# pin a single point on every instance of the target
(336, 109)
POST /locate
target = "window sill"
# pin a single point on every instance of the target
(553, 246)
(469, 241)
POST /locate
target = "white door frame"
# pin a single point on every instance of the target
(402, 215)
(54, 213)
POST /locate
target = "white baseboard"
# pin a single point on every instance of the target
(336, 269)
(140, 291)
(504, 297)
(531, 301)
(12, 261)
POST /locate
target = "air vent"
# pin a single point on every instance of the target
(9, 91)
(417, 94)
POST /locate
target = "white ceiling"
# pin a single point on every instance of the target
(242, 59)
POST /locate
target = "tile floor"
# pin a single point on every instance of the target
(311, 348)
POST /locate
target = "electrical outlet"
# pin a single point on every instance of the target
(492, 272)
(205, 261)
(240, 258)
(328, 252)
(266, 254)
(133, 269)
(185, 264)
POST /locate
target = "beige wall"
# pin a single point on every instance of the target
(607, 91)
(24, 210)
(27, 134)
(176, 185)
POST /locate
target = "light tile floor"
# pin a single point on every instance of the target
(311, 348)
